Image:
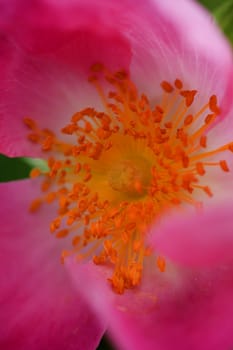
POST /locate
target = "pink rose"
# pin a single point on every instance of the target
(136, 100)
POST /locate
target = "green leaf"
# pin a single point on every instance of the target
(211, 5)
(18, 168)
(224, 16)
(222, 11)
(36, 163)
(13, 169)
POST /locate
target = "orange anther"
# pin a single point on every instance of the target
(47, 144)
(137, 245)
(200, 168)
(178, 84)
(34, 137)
(62, 233)
(131, 225)
(213, 104)
(76, 241)
(224, 166)
(185, 161)
(69, 129)
(118, 221)
(87, 177)
(47, 132)
(107, 245)
(35, 205)
(203, 141)
(30, 123)
(95, 151)
(86, 167)
(77, 168)
(63, 202)
(83, 205)
(213, 101)
(86, 219)
(57, 165)
(166, 86)
(81, 139)
(97, 67)
(176, 201)
(35, 172)
(99, 260)
(208, 191)
(70, 220)
(143, 102)
(51, 197)
(189, 96)
(188, 120)
(45, 185)
(133, 107)
(168, 125)
(161, 263)
(88, 127)
(210, 118)
(76, 117)
(55, 224)
(121, 75)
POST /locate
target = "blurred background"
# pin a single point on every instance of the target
(18, 168)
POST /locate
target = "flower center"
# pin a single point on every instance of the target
(123, 168)
(130, 177)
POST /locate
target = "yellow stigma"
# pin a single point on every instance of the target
(122, 168)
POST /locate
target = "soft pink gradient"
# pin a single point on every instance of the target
(200, 239)
(190, 305)
(46, 49)
(49, 45)
(48, 67)
(39, 307)
(50, 87)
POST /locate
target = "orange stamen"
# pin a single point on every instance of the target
(35, 205)
(123, 168)
(161, 263)
(224, 166)
(35, 172)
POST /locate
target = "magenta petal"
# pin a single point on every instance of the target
(193, 313)
(50, 88)
(200, 239)
(190, 305)
(53, 44)
(47, 70)
(39, 307)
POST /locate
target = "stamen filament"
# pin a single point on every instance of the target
(123, 169)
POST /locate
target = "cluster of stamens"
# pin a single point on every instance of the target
(122, 168)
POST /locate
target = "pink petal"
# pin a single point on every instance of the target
(190, 305)
(182, 41)
(200, 239)
(57, 41)
(47, 75)
(39, 307)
